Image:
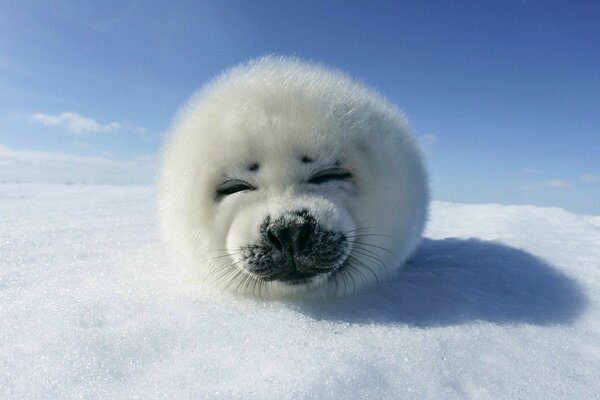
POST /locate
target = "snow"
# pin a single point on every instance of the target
(499, 302)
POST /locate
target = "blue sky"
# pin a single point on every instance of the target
(504, 95)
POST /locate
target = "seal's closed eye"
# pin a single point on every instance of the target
(329, 174)
(233, 186)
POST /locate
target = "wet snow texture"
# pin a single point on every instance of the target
(499, 302)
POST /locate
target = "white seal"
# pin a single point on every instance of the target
(282, 177)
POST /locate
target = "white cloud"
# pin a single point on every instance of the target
(588, 178)
(79, 124)
(41, 166)
(555, 183)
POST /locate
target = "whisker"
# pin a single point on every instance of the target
(225, 274)
(355, 271)
(222, 256)
(365, 266)
(221, 267)
(369, 234)
(379, 247)
(236, 274)
(368, 253)
(242, 282)
(358, 229)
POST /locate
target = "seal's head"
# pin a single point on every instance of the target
(282, 177)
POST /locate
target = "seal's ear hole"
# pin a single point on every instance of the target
(253, 167)
(306, 159)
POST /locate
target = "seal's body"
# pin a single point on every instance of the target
(282, 177)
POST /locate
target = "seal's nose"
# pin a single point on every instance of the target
(290, 236)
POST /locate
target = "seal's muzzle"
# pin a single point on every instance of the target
(293, 248)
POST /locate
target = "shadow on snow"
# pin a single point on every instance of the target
(455, 281)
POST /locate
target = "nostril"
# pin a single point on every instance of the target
(305, 231)
(280, 237)
(275, 242)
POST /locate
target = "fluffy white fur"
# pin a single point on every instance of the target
(273, 111)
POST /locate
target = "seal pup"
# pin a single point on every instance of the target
(282, 177)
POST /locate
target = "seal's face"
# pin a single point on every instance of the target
(284, 207)
(293, 231)
(284, 178)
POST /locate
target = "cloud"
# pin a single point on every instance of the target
(49, 167)
(79, 124)
(588, 178)
(555, 183)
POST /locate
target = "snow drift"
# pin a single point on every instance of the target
(499, 301)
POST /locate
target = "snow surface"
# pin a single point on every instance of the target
(499, 302)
